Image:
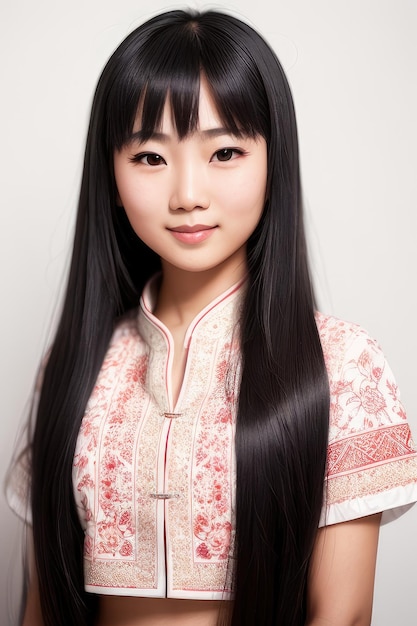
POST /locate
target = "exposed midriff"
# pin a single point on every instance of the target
(132, 611)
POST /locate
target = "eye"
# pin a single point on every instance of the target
(226, 154)
(148, 158)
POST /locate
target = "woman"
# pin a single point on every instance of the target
(181, 445)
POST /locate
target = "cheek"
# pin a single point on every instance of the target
(249, 191)
(136, 214)
(142, 226)
(139, 216)
(136, 205)
(131, 193)
(137, 202)
(247, 200)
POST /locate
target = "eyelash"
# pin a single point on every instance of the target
(138, 158)
(236, 151)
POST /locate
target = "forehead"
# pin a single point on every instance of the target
(183, 107)
(207, 112)
(208, 115)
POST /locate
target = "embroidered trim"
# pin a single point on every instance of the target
(126, 448)
(364, 450)
(371, 481)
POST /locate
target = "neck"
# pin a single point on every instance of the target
(182, 294)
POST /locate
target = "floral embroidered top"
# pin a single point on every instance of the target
(154, 482)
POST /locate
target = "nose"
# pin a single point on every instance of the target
(189, 187)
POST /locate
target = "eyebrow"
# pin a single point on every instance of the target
(208, 133)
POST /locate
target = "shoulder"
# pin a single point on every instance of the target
(372, 461)
(363, 391)
(125, 339)
(126, 329)
(124, 360)
(341, 339)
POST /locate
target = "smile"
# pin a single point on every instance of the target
(192, 234)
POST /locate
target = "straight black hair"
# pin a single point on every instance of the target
(283, 407)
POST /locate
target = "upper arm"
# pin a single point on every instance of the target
(32, 614)
(342, 573)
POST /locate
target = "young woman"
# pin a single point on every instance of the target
(208, 448)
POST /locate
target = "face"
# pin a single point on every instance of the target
(195, 202)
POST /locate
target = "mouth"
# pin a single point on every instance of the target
(191, 229)
(192, 234)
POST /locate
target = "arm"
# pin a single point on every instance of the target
(33, 614)
(342, 573)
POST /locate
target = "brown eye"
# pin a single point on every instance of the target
(225, 154)
(153, 159)
(148, 158)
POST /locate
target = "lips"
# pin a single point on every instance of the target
(192, 234)
(191, 229)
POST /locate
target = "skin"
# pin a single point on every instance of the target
(218, 181)
(342, 573)
(210, 178)
(340, 587)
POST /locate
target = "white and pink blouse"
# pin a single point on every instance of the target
(154, 482)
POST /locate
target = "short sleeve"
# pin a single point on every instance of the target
(18, 478)
(372, 459)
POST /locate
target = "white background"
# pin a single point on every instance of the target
(352, 68)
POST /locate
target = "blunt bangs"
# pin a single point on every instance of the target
(167, 60)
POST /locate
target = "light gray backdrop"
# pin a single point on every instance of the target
(352, 68)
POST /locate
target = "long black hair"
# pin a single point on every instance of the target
(282, 417)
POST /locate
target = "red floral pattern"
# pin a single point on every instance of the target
(127, 450)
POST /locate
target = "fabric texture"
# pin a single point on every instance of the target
(154, 482)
